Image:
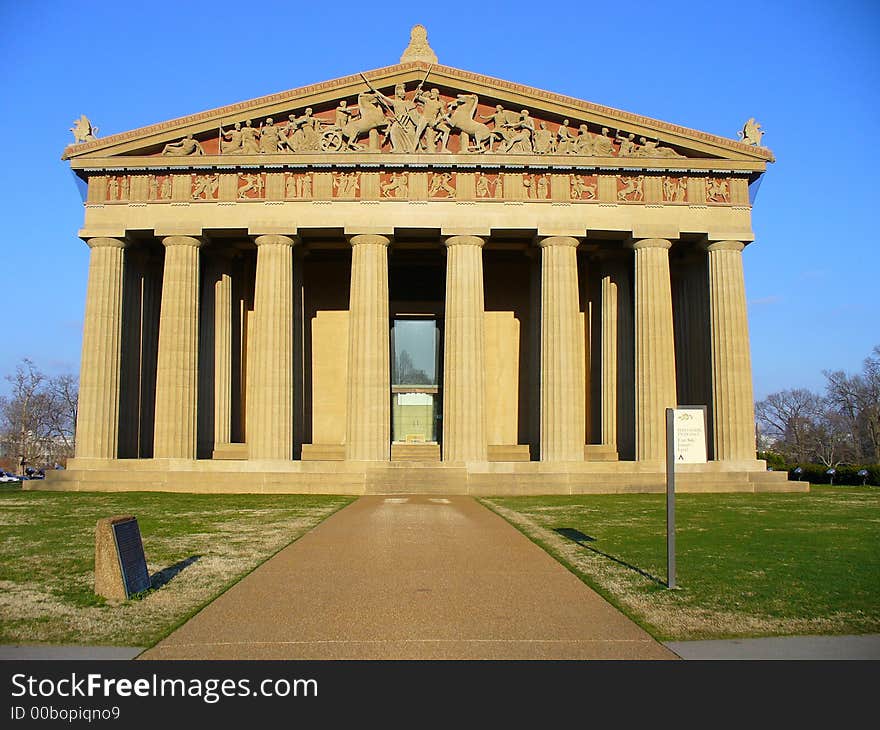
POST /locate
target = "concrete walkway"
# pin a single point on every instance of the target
(782, 647)
(410, 577)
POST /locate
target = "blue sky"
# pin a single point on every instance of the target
(808, 71)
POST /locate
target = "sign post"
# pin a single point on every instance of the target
(685, 444)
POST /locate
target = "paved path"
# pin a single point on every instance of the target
(410, 577)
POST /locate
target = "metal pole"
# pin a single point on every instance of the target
(670, 498)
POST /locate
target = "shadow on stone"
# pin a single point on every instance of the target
(157, 580)
(581, 539)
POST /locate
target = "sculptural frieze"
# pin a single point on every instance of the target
(630, 188)
(583, 187)
(205, 187)
(231, 140)
(474, 135)
(717, 190)
(652, 148)
(250, 186)
(674, 189)
(421, 119)
(346, 184)
(298, 185)
(442, 185)
(626, 145)
(118, 187)
(303, 133)
(395, 186)
(536, 187)
(432, 123)
(186, 147)
(270, 137)
(250, 139)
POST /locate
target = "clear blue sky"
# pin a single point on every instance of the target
(808, 71)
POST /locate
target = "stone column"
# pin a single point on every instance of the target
(368, 425)
(177, 361)
(97, 425)
(733, 410)
(655, 347)
(270, 399)
(562, 360)
(609, 336)
(223, 358)
(464, 386)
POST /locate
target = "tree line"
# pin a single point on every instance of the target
(840, 426)
(37, 418)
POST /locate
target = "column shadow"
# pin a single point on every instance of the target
(160, 578)
(576, 536)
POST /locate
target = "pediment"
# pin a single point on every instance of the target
(470, 118)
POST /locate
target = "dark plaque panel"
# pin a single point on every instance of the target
(131, 557)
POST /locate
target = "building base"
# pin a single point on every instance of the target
(409, 477)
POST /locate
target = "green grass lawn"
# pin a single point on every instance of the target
(196, 547)
(747, 564)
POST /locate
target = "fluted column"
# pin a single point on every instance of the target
(270, 403)
(368, 425)
(223, 358)
(562, 362)
(610, 273)
(733, 411)
(97, 425)
(464, 386)
(177, 366)
(655, 347)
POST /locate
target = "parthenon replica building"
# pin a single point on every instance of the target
(413, 279)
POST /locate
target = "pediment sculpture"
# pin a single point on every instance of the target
(422, 120)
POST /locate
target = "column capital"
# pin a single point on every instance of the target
(725, 246)
(182, 241)
(637, 244)
(558, 241)
(106, 242)
(275, 239)
(375, 239)
(465, 240)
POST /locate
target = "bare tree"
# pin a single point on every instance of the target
(788, 419)
(38, 417)
(63, 392)
(831, 439)
(857, 399)
(23, 412)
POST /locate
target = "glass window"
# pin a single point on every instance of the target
(415, 352)
(415, 391)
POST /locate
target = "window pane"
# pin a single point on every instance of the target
(415, 352)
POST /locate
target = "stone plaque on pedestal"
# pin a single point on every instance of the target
(120, 563)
